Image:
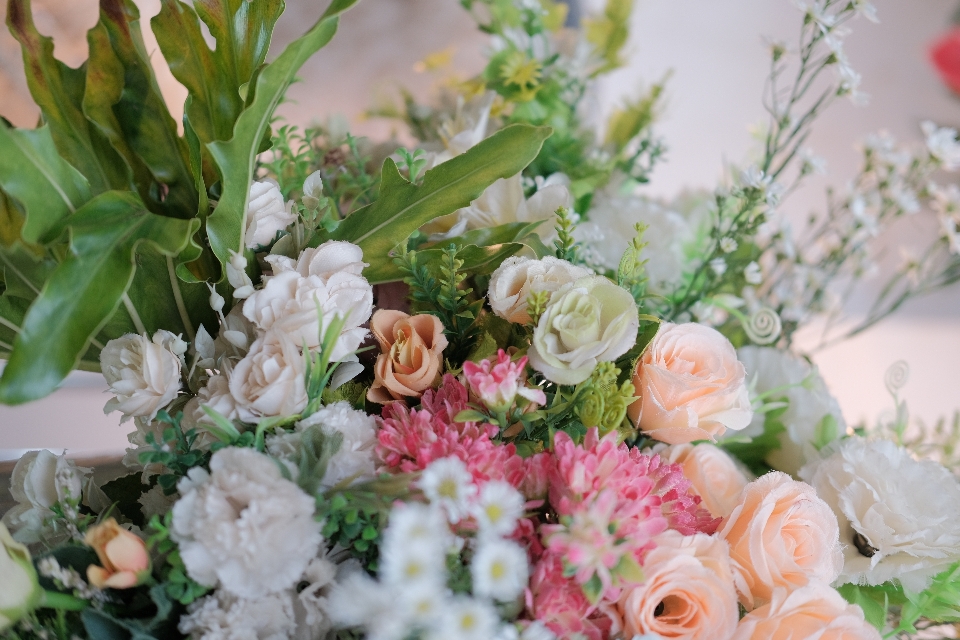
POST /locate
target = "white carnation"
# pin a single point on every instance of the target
(243, 526)
(144, 375)
(813, 415)
(354, 459)
(269, 380)
(517, 277)
(266, 214)
(326, 277)
(899, 517)
(222, 616)
(672, 230)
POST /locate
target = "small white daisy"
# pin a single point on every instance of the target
(498, 507)
(446, 482)
(499, 570)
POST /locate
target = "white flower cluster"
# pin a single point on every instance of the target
(412, 594)
(40, 481)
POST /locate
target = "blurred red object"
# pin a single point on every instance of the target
(945, 54)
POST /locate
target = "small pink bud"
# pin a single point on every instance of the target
(498, 385)
(123, 555)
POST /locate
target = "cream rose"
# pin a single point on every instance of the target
(266, 214)
(587, 321)
(144, 375)
(269, 380)
(40, 480)
(716, 478)
(411, 355)
(19, 589)
(781, 535)
(687, 592)
(899, 517)
(813, 612)
(517, 277)
(330, 258)
(691, 386)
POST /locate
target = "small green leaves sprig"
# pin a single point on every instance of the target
(172, 572)
(176, 452)
(601, 401)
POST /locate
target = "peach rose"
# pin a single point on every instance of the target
(411, 354)
(781, 535)
(123, 555)
(688, 591)
(691, 386)
(716, 478)
(814, 612)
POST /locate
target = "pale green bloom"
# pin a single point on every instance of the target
(587, 321)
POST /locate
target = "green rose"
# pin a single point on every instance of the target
(587, 321)
(19, 590)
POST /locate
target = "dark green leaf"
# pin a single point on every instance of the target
(46, 185)
(85, 290)
(125, 491)
(236, 158)
(404, 207)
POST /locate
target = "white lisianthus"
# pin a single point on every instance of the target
(899, 517)
(517, 277)
(813, 417)
(328, 277)
(499, 569)
(39, 481)
(20, 590)
(243, 526)
(269, 380)
(266, 214)
(144, 375)
(223, 615)
(588, 321)
(354, 459)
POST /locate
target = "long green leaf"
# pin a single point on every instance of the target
(403, 207)
(85, 290)
(33, 172)
(236, 158)
(58, 91)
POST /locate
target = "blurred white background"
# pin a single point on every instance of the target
(716, 51)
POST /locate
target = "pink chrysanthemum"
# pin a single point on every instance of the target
(560, 603)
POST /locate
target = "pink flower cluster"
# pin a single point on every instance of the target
(497, 385)
(410, 439)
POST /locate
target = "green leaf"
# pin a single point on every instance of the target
(236, 158)
(403, 207)
(58, 91)
(33, 172)
(125, 491)
(85, 290)
(875, 601)
(123, 100)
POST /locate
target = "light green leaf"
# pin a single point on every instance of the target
(404, 207)
(236, 158)
(85, 290)
(33, 172)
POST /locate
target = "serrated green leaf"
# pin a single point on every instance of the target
(85, 290)
(404, 207)
(46, 185)
(124, 101)
(236, 158)
(58, 91)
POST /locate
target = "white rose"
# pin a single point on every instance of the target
(269, 381)
(899, 517)
(40, 480)
(586, 322)
(266, 214)
(243, 527)
(517, 277)
(813, 415)
(144, 374)
(20, 591)
(331, 257)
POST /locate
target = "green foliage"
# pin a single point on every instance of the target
(316, 449)
(565, 243)
(403, 207)
(412, 163)
(172, 574)
(175, 452)
(601, 401)
(939, 602)
(85, 290)
(609, 32)
(875, 601)
(753, 452)
(454, 305)
(318, 369)
(632, 271)
(536, 305)
(125, 493)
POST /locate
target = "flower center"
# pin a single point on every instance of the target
(659, 610)
(863, 545)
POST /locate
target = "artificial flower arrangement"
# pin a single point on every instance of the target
(481, 389)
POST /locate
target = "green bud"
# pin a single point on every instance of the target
(590, 408)
(20, 590)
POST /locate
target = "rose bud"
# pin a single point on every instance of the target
(19, 590)
(123, 555)
(498, 384)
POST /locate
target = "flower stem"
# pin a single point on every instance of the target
(62, 601)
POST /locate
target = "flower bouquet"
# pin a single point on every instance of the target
(477, 388)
